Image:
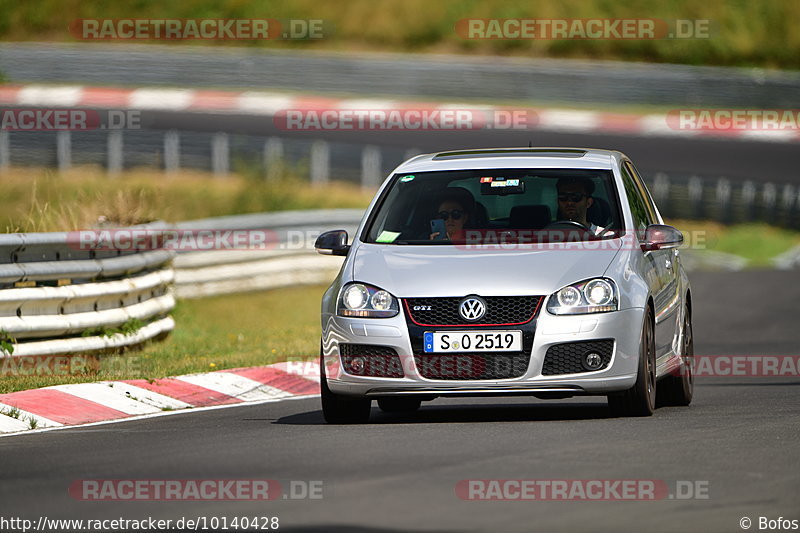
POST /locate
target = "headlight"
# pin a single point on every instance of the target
(568, 297)
(355, 297)
(598, 292)
(366, 301)
(591, 296)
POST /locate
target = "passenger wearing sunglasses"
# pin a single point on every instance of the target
(454, 210)
(574, 200)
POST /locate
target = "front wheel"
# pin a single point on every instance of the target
(640, 400)
(339, 409)
(678, 390)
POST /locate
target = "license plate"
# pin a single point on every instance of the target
(472, 341)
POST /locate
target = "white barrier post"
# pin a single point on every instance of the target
(724, 199)
(320, 163)
(370, 167)
(5, 151)
(273, 157)
(748, 198)
(787, 203)
(114, 152)
(63, 150)
(172, 152)
(787, 197)
(696, 196)
(770, 195)
(661, 188)
(219, 155)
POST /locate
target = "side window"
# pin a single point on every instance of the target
(648, 201)
(641, 215)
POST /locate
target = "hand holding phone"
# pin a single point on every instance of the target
(438, 230)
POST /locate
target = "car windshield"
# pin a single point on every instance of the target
(474, 205)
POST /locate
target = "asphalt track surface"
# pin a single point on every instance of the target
(703, 156)
(740, 437)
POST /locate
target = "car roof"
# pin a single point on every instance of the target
(528, 157)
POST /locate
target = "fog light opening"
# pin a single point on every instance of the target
(358, 365)
(592, 361)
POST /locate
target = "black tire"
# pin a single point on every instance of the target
(399, 405)
(640, 400)
(678, 390)
(339, 409)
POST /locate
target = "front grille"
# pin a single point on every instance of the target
(472, 366)
(499, 310)
(378, 361)
(567, 358)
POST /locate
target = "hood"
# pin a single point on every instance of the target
(443, 270)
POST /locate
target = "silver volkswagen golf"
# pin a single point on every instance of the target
(523, 271)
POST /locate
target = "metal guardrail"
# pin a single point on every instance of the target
(718, 198)
(57, 297)
(292, 261)
(413, 75)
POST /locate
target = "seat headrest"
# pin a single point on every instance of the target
(599, 213)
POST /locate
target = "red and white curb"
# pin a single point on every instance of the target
(91, 403)
(271, 104)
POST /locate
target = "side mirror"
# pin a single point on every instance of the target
(661, 237)
(332, 243)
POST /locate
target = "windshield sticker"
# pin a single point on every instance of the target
(486, 179)
(502, 182)
(406, 179)
(388, 236)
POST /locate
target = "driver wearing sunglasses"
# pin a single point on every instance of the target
(453, 209)
(574, 200)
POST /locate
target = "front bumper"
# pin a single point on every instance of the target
(624, 327)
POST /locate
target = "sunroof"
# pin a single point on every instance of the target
(519, 152)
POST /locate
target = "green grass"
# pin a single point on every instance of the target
(12, 411)
(215, 333)
(42, 200)
(757, 242)
(744, 33)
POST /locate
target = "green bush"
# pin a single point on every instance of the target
(743, 33)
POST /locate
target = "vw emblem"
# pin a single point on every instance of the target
(472, 308)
